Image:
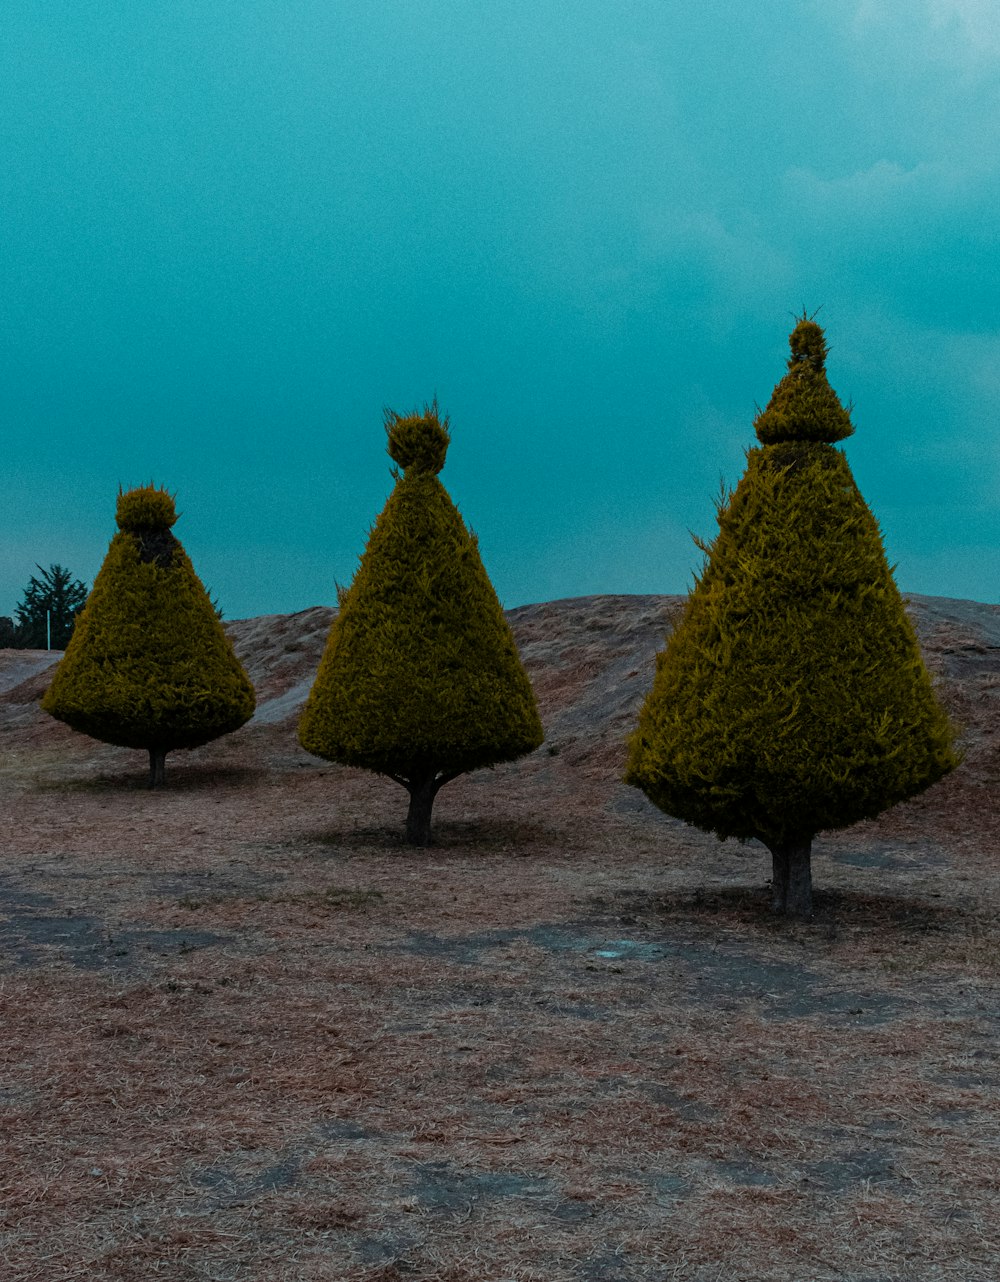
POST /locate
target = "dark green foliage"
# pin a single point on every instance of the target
(792, 696)
(149, 665)
(418, 442)
(145, 508)
(48, 610)
(420, 679)
(804, 407)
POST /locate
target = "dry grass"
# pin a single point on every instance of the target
(247, 1035)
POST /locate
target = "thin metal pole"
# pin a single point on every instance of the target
(48, 629)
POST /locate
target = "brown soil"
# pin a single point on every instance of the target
(248, 1035)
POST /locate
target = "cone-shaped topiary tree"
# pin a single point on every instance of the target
(149, 664)
(792, 696)
(420, 679)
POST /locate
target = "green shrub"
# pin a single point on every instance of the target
(792, 696)
(420, 679)
(149, 665)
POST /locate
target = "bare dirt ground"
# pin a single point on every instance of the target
(248, 1036)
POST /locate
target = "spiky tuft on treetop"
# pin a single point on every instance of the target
(803, 406)
(418, 442)
(145, 508)
(808, 344)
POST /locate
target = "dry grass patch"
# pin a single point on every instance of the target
(250, 1037)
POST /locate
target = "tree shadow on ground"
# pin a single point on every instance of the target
(831, 908)
(190, 777)
(450, 837)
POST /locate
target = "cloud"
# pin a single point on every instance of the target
(964, 32)
(917, 238)
(971, 25)
(925, 408)
(889, 188)
(709, 262)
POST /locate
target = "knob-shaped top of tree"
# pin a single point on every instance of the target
(804, 407)
(149, 664)
(792, 696)
(418, 442)
(145, 509)
(420, 679)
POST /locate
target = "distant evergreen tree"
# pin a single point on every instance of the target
(792, 696)
(149, 665)
(420, 679)
(48, 610)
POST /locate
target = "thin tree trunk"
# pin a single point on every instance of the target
(418, 817)
(791, 877)
(779, 878)
(800, 886)
(157, 767)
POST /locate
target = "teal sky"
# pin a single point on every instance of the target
(233, 230)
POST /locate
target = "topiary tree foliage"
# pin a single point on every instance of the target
(149, 664)
(792, 696)
(420, 679)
